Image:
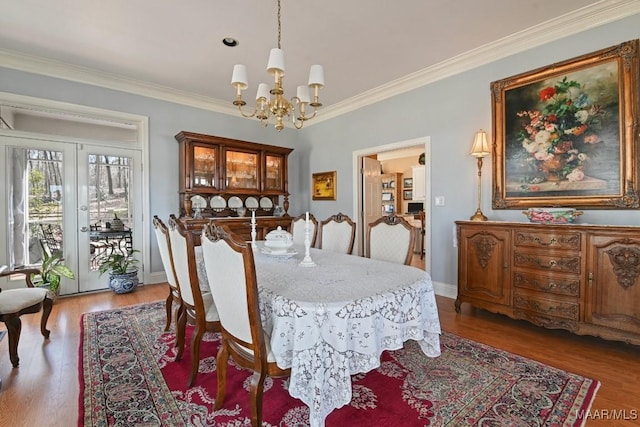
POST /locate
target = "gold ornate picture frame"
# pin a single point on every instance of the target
(566, 134)
(323, 186)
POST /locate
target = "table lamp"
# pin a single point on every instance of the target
(479, 150)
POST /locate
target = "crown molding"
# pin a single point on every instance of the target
(575, 22)
(56, 69)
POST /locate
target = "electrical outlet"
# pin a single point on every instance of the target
(439, 200)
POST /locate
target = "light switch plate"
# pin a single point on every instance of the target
(439, 200)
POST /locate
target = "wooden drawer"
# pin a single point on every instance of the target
(548, 240)
(547, 261)
(547, 305)
(559, 284)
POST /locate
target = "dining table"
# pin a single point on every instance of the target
(334, 319)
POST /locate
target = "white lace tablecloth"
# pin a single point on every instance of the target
(334, 320)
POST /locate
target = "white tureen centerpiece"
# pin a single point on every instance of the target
(279, 240)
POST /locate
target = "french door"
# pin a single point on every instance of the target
(71, 188)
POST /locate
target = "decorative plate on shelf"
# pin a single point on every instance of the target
(266, 203)
(198, 201)
(251, 203)
(552, 215)
(218, 202)
(235, 202)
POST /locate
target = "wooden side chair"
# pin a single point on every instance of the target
(164, 246)
(337, 233)
(391, 238)
(16, 302)
(297, 229)
(232, 277)
(198, 306)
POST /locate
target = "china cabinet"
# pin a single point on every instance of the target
(582, 278)
(227, 180)
(222, 177)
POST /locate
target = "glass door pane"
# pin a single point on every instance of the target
(242, 170)
(110, 202)
(204, 167)
(35, 204)
(274, 173)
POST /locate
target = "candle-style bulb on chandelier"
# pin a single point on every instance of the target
(271, 103)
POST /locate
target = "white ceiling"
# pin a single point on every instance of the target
(370, 49)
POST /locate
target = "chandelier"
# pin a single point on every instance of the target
(271, 103)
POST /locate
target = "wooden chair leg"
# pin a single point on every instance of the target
(181, 327)
(169, 306)
(195, 354)
(47, 305)
(255, 394)
(221, 366)
(14, 327)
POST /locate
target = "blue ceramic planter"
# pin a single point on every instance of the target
(124, 283)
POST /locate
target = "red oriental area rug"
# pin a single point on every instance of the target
(128, 377)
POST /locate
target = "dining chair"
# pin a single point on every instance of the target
(232, 277)
(337, 233)
(16, 302)
(164, 246)
(199, 307)
(297, 229)
(391, 238)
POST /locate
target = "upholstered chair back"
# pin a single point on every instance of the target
(337, 234)
(232, 279)
(181, 263)
(162, 236)
(391, 238)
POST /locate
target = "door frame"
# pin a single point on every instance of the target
(68, 111)
(358, 183)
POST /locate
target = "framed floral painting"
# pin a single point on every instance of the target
(564, 134)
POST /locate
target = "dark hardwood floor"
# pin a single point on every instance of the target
(44, 390)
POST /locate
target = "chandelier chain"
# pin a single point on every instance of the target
(279, 26)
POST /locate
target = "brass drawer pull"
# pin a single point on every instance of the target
(553, 241)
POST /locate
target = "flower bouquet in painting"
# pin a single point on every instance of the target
(560, 137)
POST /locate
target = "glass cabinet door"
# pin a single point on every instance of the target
(274, 173)
(242, 170)
(204, 166)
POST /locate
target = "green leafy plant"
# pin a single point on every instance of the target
(52, 271)
(117, 263)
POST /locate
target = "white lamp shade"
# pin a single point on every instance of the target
(263, 91)
(239, 77)
(276, 61)
(480, 145)
(303, 94)
(316, 76)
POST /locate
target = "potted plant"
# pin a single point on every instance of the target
(51, 273)
(123, 271)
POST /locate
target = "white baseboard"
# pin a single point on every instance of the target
(158, 277)
(445, 290)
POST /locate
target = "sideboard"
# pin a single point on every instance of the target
(582, 278)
